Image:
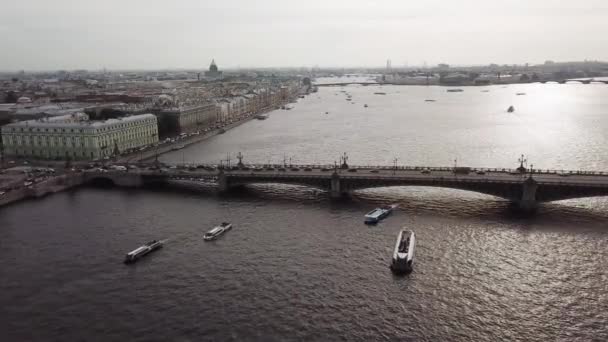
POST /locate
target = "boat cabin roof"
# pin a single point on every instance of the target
(215, 230)
(137, 250)
(375, 213)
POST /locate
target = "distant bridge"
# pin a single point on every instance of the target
(523, 188)
(347, 83)
(579, 80)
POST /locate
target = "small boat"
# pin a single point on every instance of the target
(456, 90)
(519, 94)
(177, 148)
(379, 93)
(261, 117)
(140, 251)
(378, 214)
(221, 131)
(511, 109)
(365, 105)
(485, 91)
(429, 100)
(326, 112)
(403, 255)
(217, 231)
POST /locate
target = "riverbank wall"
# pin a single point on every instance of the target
(50, 186)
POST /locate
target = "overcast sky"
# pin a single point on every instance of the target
(144, 34)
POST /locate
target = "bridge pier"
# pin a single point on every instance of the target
(222, 182)
(528, 198)
(335, 190)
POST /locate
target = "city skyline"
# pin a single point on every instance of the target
(152, 35)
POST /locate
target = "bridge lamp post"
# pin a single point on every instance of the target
(394, 165)
(531, 169)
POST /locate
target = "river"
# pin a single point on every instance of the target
(300, 267)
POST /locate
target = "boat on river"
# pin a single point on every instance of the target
(143, 250)
(261, 117)
(456, 90)
(403, 255)
(379, 214)
(511, 109)
(217, 231)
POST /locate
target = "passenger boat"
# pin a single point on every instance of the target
(149, 247)
(403, 255)
(217, 231)
(511, 109)
(378, 214)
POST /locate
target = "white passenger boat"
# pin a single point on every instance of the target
(378, 214)
(403, 255)
(217, 231)
(140, 251)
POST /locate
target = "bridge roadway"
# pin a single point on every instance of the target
(522, 188)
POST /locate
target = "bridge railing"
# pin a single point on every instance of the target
(402, 168)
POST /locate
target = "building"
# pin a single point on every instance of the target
(76, 137)
(213, 71)
(174, 118)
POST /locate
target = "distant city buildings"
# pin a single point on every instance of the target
(76, 137)
(44, 111)
(213, 72)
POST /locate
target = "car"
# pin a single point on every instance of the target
(2, 193)
(564, 174)
(352, 170)
(375, 171)
(307, 169)
(270, 168)
(480, 172)
(282, 169)
(325, 169)
(425, 171)
(295, 169)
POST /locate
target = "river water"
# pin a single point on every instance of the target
(298, 266)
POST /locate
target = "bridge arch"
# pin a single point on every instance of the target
(101, 181)
(463, 189)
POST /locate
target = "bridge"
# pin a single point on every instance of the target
(524, 187)
(347, 83)
(564, 81)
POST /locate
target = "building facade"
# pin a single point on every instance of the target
(76, 137)
(176, 120)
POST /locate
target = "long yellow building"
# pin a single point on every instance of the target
(76, 137)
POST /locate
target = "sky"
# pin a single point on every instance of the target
(160, 34)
